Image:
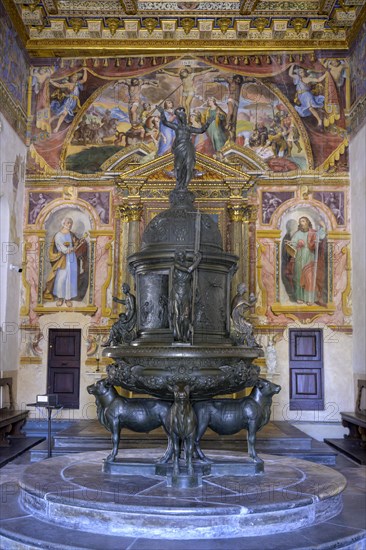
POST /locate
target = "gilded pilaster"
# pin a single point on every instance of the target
(130, 215)
(237, 215)
(251, 218)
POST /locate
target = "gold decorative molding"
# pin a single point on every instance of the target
(268, 233)
(339, 236)
(278, 308)
(347, 329)
(69, 192)
(260, 362)
(134, 189)
(335, 155)
(94, 233)
(150, 24)
(107, 311)
(224, 23)
(30, 360)
(112, 24)
(86, 310)
(303, 313)
(346, 294)
(261, 310)
(112, 48)
(274, 330)
(36, 232)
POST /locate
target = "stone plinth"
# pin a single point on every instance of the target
(73, 491)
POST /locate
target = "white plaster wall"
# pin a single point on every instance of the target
(338, 380)
(358, 225)
(11, 147)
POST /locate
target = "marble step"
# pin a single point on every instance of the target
(280, 438)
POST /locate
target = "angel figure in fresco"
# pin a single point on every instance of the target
(65, 251)
(134, 88)
(304, 269)
(307, 99)
(187, 77)
(65, 105)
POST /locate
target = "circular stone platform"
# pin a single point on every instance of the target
(72, 491)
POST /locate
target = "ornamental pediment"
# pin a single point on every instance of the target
(162, 170)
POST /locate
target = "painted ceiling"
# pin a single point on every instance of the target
(57, 28)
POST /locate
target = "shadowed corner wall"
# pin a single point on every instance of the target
(12, 165)
(358, 224)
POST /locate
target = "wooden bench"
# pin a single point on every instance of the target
(11, 420)
(356, 421)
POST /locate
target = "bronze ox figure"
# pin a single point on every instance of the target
(139, 415)
(181, 425)
(229, 416)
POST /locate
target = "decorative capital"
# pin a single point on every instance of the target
(243, 213)
(130, 212)
(237, 212)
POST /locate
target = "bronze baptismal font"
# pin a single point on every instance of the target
(182, 341)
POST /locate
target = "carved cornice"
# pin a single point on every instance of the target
(47, 28)
(116, 48)
(13, 112)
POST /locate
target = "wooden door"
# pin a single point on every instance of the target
(64, 366)
(306, 369)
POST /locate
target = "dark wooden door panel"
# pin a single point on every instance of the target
(64, 348)
(64, 366)
(65, 382)
(306, 346)
(306, 370)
